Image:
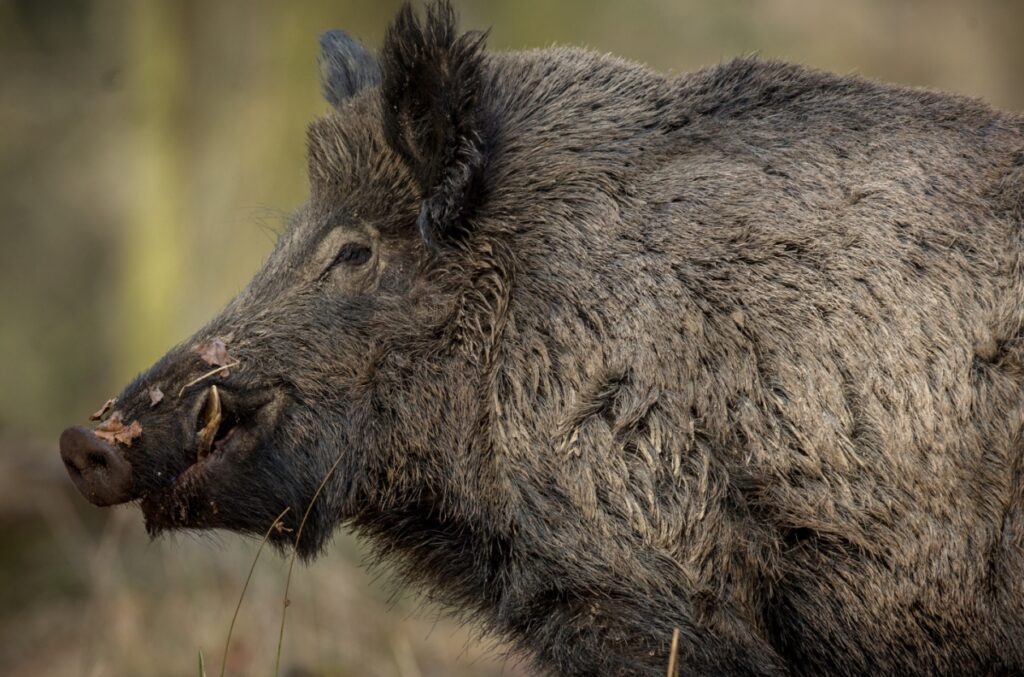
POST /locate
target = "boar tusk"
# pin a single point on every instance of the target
(211, 417)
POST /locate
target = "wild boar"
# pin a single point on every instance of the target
(594, 353)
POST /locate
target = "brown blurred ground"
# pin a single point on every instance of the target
(148, 153)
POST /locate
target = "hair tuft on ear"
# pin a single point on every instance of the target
(346, 67)
(434, 119)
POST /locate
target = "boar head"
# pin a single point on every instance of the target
(357, 354)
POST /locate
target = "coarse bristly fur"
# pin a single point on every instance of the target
(606, 353)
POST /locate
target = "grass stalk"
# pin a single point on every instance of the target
(291, 562)
(231, 628)
(673, 653)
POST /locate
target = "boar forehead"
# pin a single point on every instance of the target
(353, 170)
(355, 180)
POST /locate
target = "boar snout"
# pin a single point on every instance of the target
(98, 470)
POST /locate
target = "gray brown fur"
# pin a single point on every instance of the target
(737, 352)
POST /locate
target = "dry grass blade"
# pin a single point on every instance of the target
(231, 628)
(203, 377)
(202, 664)
(673, 654)
(291, 562)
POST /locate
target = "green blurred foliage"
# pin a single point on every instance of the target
(149, 152)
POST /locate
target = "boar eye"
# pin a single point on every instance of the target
(350, 254)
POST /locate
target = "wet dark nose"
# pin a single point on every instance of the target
(97, 468)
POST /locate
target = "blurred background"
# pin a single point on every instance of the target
(149, 151)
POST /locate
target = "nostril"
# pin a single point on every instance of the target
(97, 460)
(72, 469)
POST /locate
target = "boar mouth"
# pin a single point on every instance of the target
(228, 427)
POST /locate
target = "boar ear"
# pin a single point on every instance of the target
(345, 67)
(430, 91)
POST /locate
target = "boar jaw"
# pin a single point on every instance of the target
(229, 427)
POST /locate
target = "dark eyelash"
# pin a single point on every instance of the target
(351, 253)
